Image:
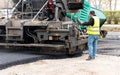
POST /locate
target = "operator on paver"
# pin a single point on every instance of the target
(93, 32)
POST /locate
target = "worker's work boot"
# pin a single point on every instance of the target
(90, 58)
(93, 57)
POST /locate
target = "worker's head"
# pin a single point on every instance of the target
(92, 13)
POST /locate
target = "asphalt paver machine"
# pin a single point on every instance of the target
(47, 25)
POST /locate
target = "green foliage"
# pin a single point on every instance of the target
(112, 16)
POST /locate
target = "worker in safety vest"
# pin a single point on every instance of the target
(93, 32)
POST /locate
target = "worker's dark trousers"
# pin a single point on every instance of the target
(92, 45)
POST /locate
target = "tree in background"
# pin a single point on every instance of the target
(110, 5)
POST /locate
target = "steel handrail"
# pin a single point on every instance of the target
(16, 6)
(39, 11)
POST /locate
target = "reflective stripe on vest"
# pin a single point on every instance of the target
(95, 28)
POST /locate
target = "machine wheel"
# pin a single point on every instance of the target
(74, 52)
(103, 33)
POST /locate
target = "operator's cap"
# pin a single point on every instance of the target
(92, 12)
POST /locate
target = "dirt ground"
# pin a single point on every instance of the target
(102, 65)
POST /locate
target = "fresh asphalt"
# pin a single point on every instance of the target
(10, 57)
(110, 45)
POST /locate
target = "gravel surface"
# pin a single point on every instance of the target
(102, 65)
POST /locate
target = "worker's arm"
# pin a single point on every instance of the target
(90, 22)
